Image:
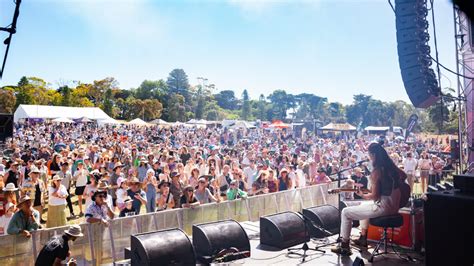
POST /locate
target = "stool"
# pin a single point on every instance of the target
(389, 221)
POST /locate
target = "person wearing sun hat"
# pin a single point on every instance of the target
(136, 193)
(5, 219)
(57, 250)
(99, 211)
(128, 210)
(56, 203)
(25, 220)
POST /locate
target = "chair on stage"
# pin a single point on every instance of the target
(389, 221)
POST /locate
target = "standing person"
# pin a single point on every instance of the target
(409, 165)
(99, 211)
(65, 174)
(321, 177)
(57, 203)
(56, 249)
(138, 196)
(25, 220)
(203, 194)
(164, 197)
(224, 181)
(284, 182)
(13, 176)
(188, 200)
(91, 188)
(235, 192)
(117, 173)
(5, 219)
(425, 166)
(38, 188)
(121, 192)
(272, 181)
(150, 185)
(359, 180)
(385, 193)
(80, 176)
(176, 187)
(250, 172)
(128, 209)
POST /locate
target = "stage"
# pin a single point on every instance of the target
(265, 255)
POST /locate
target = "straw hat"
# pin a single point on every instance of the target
(74, 230)
(22, 200)
(163, 182)
(34, 170)
(134, 180)
(8, 206)
(103, 185)
(117, 165)
(10, 187)
(57, 178)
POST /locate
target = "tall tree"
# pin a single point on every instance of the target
(227, 100)
(65, 92)
(108, 104)
(246, 112)
(7, 100)
(261, 108)
(281, 102)
(178, 83)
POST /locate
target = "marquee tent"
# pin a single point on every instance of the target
(51, 112)
(62, 120)
(339, 127)
(138, 121)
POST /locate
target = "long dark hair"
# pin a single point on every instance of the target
(383, 162)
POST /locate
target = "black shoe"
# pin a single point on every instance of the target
(72, 216)
(361, 242)
(342, 249)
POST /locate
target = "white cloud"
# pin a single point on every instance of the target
(122, 19)
(261, 6)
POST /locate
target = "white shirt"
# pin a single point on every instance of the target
(121, 195)
(4, 221)
(250, 174)
(409, 165)
(55, 201)
(81, 178)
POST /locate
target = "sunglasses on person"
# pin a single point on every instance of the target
(102, 196)
(189, 190)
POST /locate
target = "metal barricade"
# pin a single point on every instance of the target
(105, 245)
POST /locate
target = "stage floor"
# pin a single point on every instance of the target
(264, 255)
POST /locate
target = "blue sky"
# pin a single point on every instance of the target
(332, 48)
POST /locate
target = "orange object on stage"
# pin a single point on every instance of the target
(409, 235)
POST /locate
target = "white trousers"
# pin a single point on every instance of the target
(368, 209)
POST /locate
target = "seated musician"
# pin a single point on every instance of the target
(384, 198)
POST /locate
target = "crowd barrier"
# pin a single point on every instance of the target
(105, 245)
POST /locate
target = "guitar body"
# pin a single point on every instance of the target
(405, 192)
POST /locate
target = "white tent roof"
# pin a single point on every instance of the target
(50, 112)
(197, 122)
(138, 121)
(107, 121)
(62, 120)
(339, 127)
(372, 128)
(159, 122)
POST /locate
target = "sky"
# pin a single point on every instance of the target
(332, 48)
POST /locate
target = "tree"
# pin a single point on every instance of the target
(65, 92)
(226, 99)
(358, 109)
(177, 83)
(245, 106)
(176, 110)
(151, 89)
(7, 100)
(281, 102)
(107, 106)
(261, 108)
(99, 88)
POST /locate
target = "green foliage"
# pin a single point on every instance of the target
(246, 112)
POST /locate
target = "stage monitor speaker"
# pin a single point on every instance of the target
(283, 230)
(326, 217)
(225, 237)
(6, 126)
(166, 247)
(449, 234)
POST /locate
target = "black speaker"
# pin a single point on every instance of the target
(414, 52)
(454, 145)
(6, 126)
(449, 234)
(225, 240)
(282, 230)
(325, 216)
(166, 247)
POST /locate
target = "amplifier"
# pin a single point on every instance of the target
(465, 183)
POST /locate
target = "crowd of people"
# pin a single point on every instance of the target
(123, 170)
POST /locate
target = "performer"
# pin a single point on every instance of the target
(384, 199)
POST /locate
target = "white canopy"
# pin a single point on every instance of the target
(372, 128)
(241, 124)
(197, 122)
(51, 112)
(339, 127)
(62, 120)
(138, 121)
(159, 122)
(107, 121)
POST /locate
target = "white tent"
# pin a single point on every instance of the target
(339, 127)
(62, 120)
(159, 122)
(51, 112)
(138, 121)
(107, 121)
(241, 124)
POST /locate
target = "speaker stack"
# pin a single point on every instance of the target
(325, 218)
(414, 52)
(6, 126)
(283, 230)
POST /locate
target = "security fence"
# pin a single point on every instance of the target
(106, 244)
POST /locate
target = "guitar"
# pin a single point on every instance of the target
(340, 190)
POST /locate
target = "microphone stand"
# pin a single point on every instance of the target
(305, 246)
